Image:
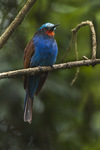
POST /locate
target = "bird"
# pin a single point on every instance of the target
(42, 50)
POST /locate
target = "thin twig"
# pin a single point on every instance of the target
(75, 30)
(16, 22)
(93, 35)
(76, 76)
(76, 54)
(37, 70)
(85, 58)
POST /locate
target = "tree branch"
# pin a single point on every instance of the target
(37, 70)
(16, 22)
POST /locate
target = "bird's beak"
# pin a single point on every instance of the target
(54, 27)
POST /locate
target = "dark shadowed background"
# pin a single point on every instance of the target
(64, 117)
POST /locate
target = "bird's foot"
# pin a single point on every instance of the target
(52, 66)
(40, 68)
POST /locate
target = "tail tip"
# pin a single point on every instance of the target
(27, 117)
(28, 120)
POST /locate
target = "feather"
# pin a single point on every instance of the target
(28, 108)
(28, 52)
(41, 83)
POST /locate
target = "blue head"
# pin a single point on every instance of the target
(47, 28)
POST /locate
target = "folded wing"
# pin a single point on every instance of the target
(28, 53)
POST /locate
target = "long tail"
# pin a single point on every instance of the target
(28, 108)
(32, 86)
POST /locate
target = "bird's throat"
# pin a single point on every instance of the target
(50, 33)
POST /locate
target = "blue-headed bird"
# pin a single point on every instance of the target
(42, 50)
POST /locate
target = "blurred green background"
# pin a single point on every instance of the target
(64, 117)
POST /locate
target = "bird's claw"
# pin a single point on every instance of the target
(52, 66)
(40, 68)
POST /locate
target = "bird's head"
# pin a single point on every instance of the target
(48, 28)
